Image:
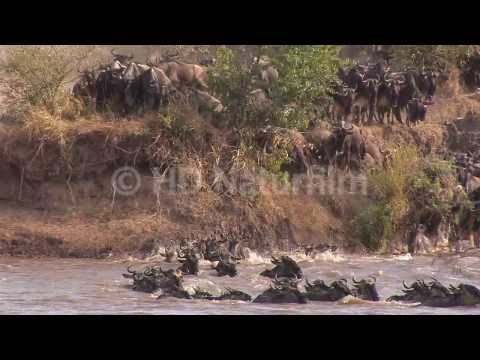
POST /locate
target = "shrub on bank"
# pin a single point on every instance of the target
(306, 73)
(412, 190)
(37, 76)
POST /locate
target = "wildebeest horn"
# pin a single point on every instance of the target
(374, 278)
(130, 271)
(275, 280)
(354, 281)
(405, 286)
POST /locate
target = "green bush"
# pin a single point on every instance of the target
(36, 75)
(391, 185)
(230, 80)
(373, 226)
(306, 73)
(411, 190)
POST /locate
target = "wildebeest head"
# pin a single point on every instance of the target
(354, 78)
(394, 92)
(189, 261)
(416, 110)
(85, 87)
(232, 294)
(285, 283)
(282, 291)
(208, 102)
(131, 77)
(366, 289)
(207, 61)
(156, 87)
(341, 286)
(288, 267)
(123, 59)
(470, 295)
(438, 289)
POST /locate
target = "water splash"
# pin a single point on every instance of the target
(256, 259)
(406, 257)
(192, 283)
(329, 256)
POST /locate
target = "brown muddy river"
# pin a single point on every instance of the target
(68, 286)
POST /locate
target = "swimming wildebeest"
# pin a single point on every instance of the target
(285, 267)
(282, 291)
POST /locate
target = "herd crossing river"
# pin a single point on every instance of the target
(80, 286)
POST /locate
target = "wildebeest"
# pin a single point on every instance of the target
(427, 83)
(343, 100)
(325, 143)
(110, 89)
(183, 74)
(265, 74)
(285, 267)
(408, 91)
(207, 60)
(435, 294)
(154, 278)
(202, 101)
(169, 253)
(154, 89)
(352, 144)
(387, 100)
(374, 151)
(233, 294)
(416, 111)
(123, 59)
(353, 78)
(365, 289)
(271, 138)
(259, 101)
(189, 261)
(282, 291)
(319, 291)
(365, 100)
(226, 267)
(85, 88)
(377, 71)
(133, 85)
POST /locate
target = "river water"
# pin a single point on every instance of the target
(71, 286)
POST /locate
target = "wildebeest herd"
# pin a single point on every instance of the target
(286, 275)
(373, 92)
(128, 87)
(343, 147)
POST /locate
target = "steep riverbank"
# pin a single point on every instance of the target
(57, 199)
